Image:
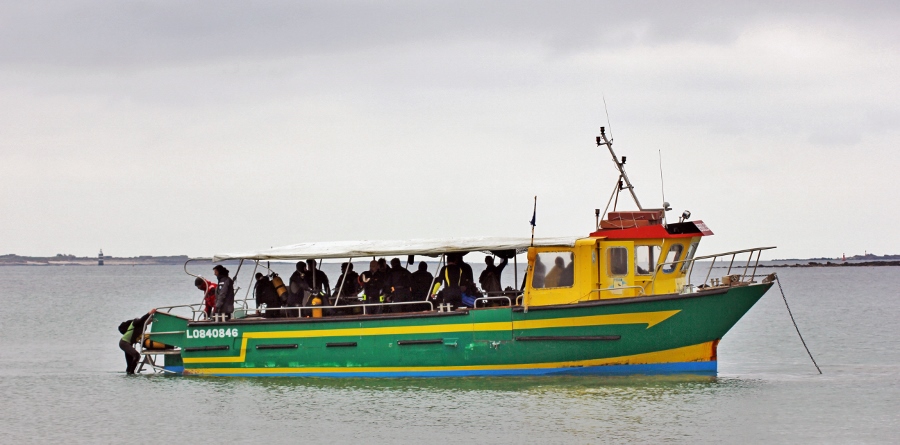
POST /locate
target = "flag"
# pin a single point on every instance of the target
(534, 215)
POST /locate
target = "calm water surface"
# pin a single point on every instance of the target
(62, 378)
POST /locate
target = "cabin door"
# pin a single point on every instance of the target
(615, 269)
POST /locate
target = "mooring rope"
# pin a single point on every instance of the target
(795, 324)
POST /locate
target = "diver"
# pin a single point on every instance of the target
(298, 290)
(451, 277)
(397, 285)
(316, 279)
(265, 294)
(131, 331)
(420, 282)
(348, 289)
(345, 291)
(490, 277)
(372, 282)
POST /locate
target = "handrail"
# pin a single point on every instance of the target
(486, 298)
(692, 261)
(606, 289)
(363, 305)
(731, 253)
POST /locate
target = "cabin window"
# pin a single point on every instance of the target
(553, 269)
(692, 249)
(645, 259)
(672, 257)
(617, 260)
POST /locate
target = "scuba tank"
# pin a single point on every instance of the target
(316, 301)
(280, 289)
(150, 344)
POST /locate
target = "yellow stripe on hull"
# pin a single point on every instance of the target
(649, 318)
(702, 352)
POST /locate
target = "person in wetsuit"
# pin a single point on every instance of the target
(349, 289)
(265, 294)
(420, 285)
(397, 285)
(317, 280)
(451, 277)
(298, 290)
(490, 277)
(372, 282)
(468, 275)
(131, 331)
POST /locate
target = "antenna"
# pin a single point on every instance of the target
(608, 124)
(662, 185)
(662, 182)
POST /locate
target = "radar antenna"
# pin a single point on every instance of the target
(620, 165)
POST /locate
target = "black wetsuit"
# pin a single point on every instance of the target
(132, 357)
(420, 281)
(321, 282)
(397, 286)
(372, 282)
(453, 279)
(265, 294)
(490, 278)
(298, 291)
(347, 290)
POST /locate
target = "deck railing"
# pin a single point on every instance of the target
(743, 277)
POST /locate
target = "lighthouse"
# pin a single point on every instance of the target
(100, 258)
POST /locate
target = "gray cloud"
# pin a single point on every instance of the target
(127, 125)
(136, 34)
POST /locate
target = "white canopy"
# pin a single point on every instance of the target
(363, 249)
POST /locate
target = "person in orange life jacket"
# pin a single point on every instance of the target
(209, 295)
(131, 331)
(224, 292)
(372, 282)
(451, 277)
(397, 285)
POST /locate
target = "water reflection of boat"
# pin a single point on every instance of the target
(618, 301)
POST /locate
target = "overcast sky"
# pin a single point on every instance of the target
(202, 127)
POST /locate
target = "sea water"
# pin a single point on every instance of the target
(62, 377)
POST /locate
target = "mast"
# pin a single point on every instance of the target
(602, 140)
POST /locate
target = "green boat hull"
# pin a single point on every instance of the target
(658, 334)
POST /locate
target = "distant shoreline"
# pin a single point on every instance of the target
(839, 264)
(147, 260)
(71, 260)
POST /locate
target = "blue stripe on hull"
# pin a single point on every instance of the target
(708, 367)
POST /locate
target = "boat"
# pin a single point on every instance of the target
(619, 300)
